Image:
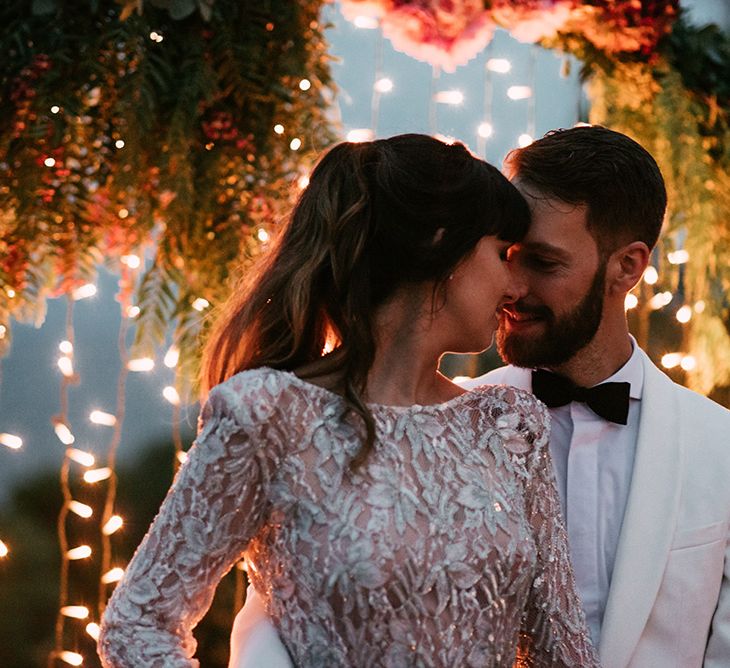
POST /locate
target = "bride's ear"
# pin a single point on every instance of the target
(626, 266)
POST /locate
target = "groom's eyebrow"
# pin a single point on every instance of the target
(546, 249)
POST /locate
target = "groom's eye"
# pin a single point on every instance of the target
(540, 263)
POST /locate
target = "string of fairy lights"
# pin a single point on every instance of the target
(88, 481)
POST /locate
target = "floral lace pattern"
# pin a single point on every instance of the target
(445, 548)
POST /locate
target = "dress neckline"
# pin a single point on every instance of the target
(443, 405)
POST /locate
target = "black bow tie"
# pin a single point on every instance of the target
(608, 400)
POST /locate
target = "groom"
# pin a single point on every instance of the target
(643, 468)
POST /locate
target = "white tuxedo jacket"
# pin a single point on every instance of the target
(669, 601)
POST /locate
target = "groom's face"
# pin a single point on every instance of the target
(565, 276)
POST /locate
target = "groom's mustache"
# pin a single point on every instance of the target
(520, 308)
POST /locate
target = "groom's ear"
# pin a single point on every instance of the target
(626, 266)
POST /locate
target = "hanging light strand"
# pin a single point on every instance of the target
(177, 423)
(486, 127)
(67, 504)
(531, 101)
(432, 119)
(111, 454)
(377, 90)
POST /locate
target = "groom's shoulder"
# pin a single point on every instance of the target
(504, 375)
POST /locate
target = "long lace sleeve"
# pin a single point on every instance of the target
(215, 505)
(553, 630)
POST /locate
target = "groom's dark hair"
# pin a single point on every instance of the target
(612, 174)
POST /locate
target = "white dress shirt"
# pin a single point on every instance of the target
(593, 461)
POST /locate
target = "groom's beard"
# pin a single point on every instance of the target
(560, 337)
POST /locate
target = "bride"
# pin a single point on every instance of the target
(388, 518)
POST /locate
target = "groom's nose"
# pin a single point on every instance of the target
(517, 286)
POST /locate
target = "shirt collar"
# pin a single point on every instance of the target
(632, 372)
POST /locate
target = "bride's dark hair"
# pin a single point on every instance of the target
(375, 216)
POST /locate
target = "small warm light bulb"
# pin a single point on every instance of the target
(303, 181)
(485, 130)
(4, 551)
(360, 134)
(383, 85)
(305, 84)
(132, 311)
(123, 213)
(55, 109)
(365, 22)
(64, 433)
(651, 276)
(11, 293)
(671, 360)
(631, 301)
(114, 575)
(172, 356)
(519, 92)
(262, 235)
(688, 363)
(499, 65)
(114, 523)
(449, 97)
(81, 457)
(295, 144)
(141, 364)
(66, 347)
(66, 366)
(524, 140)
(100, 417)
(171, 394)
(279, 129)
(75, 611)
(200, 304)
(678, 257)
(132, 261)
(11, 441)
(92, 628)
(119, 143)
(81, 509)
(71, 658)
(85, 291)
(49, 162)
(97, 475)
(700, 306)
(660, 300)
(80, 552)
(684, 314)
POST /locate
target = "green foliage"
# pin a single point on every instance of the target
(676, 103)
(133, 128)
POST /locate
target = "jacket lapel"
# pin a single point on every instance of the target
(649, 522)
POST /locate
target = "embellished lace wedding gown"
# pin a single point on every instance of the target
(445, 548)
